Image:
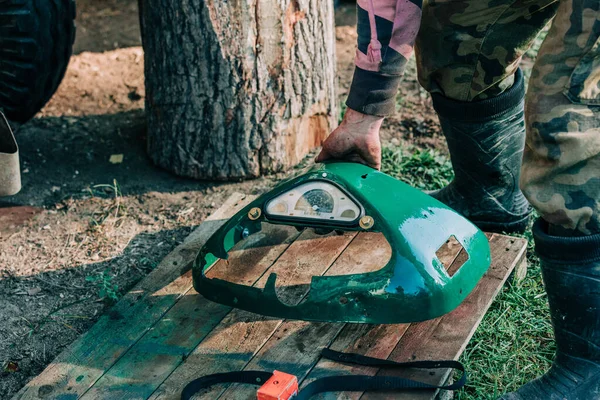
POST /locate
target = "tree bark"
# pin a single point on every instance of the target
(237, 88)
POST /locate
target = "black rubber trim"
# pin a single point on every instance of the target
(244, 377)
(565, 249)
(484, 109)
(350, 383)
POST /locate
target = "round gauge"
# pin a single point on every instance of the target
(349, 214)
(316, 201)
(278, 208)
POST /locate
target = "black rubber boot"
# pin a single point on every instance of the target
(571, 272)
(486, 141)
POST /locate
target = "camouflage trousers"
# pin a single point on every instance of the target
(470, 49)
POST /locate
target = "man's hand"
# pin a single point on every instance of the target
(355, 140)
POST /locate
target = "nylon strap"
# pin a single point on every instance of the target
(248, 377)
(348, 383)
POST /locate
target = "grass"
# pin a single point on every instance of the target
(423, 169)
(514, 343)
(342, 110)
(112, 212)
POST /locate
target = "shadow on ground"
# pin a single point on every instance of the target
(66, 156)
(44, 312)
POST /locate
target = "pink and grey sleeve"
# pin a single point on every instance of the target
(387, 30)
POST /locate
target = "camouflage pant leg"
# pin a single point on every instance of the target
(561, 167)
(469, 49)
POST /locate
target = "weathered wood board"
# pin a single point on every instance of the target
(163, 334)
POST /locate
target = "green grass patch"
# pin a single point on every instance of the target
(514, 343)
(423, 169)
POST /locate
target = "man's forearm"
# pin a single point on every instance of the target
(387, 30)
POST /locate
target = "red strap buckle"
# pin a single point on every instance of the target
(281, 386)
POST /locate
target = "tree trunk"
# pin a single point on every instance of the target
(238, 88)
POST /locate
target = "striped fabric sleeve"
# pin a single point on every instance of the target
(387, 30)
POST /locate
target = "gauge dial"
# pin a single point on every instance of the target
(314, 200)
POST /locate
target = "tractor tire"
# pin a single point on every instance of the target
(36, 43)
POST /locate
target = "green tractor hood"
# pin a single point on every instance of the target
(414, 285)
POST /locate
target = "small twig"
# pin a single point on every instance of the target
(48, 318)
(69, 327)
(37, 278)
(72, 316)
(84, 300)
(67, 242)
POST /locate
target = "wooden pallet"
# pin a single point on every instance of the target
(162, 334)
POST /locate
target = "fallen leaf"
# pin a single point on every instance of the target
(11, 367)
(116, 159)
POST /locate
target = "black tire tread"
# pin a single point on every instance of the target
(36, 43)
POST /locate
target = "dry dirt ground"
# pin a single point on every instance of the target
(84, 230)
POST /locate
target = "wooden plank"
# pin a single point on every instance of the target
(314, 255)
(88, 358)
(449, 251)
(371, 340)
(369, 252)
(294, 348)
(310, 254)
(366, 253)
(152, 359)
(520, 272)
(173, 325)
(447, 336)
(229, 347)
(296, 345)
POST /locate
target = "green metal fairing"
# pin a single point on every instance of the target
(414, 285)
